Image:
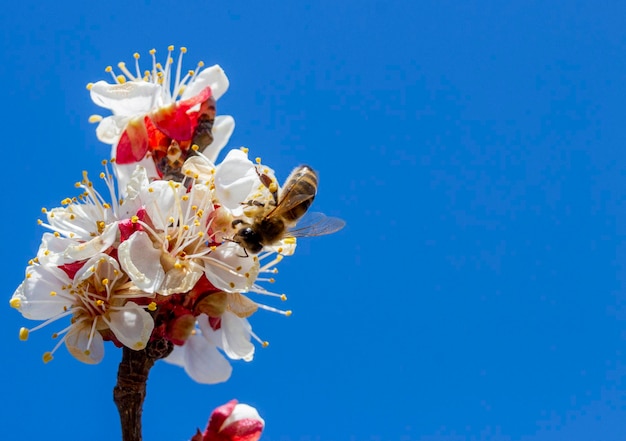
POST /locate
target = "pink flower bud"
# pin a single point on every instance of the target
(233, 422)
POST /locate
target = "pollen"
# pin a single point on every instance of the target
(89, 86)
(288, 313)
(265, 344)
(108, 69)
(273, 187)
(95, 118)
(195, 147)
(134, 219)
(257, 160)
(47, 357)
(15, 303)
(24, 334)
(244, 149)
(283, 297)
(105, 282)
(53, 293)
(152, 306)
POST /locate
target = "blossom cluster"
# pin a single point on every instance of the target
(154, 257)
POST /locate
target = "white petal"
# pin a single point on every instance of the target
(132, 325)
(236, 337)
(78, 344)
(228, 269)
(96, 245)
(141, 261)
(160, 202)
(110, 128)
(52, 249)
(124, 173)
(177, 356)
(242, 412)
(222, 130)
(200, 166)
(128, 99)
(204, 363)
(212, 76)
(235, 179)
(43, 294)
(180, 280)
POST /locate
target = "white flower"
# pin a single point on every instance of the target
(163, 99)
(200, 357)
(97, 298)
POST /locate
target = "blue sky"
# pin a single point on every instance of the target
(476, 151)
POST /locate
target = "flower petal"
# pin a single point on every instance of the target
(235, 179)
(110, 128)
(223, 128)
(130, 98)
(42, 295)
(230, 271)
(213, 77)
(141, 261)
(132, 325)
(84, 347)
(236, 337)
(204, 363)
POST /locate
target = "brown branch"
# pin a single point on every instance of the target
(130, 391)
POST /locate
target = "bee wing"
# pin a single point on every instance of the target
(316, 224)
(288, 201)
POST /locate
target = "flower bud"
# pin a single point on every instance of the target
(233, 422)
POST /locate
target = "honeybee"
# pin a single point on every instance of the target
(279, 219)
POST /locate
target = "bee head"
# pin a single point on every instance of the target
(249, 239)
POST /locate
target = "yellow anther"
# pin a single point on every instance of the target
(112, 160)
(72, 217)
(279, 258)
(152, 51)
(170, 47)
(108, 69)
(46, 252)
(183, 50)
(105, 281)
(89, 86)
(272, 280)
(257, 160)
(95, 118)
(24, 334)
(152, 306)
(15, 303)
(200, 63)
(265, 344)
(273, 187)
(231, 284)
(283, 297)
(288, 313)
(66, 201)
(57, 234)
(106, 205)
(213, 247)
(200, 233)
(244, 149)
(44, 210)
(186, 227)
(55, 335)
(99, 302)
(150, 190)
(191, 72)
(53, 293)
(121, 65)
(185, 197)
(290, 240)
(102, 175)
(136, 55)
(195, 147)
(247, 275)
(121, 79)
(178, 265)
(134, 219)
(47, 357)
(87, 352)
